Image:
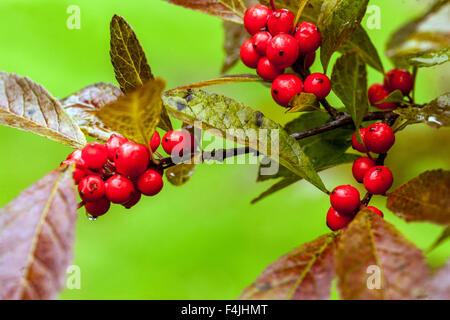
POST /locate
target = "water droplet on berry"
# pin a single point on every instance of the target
(91, 217)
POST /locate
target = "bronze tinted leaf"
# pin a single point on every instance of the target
(305, 273)
(81, 105)
(136, 114)
(231, 10)
(375, 262)
(36, 238)
(27, 106)
(424, 198)
(235, 35)
(309, 13)
(222, 80)
(439, 285)
(395, 96)
(303, 102)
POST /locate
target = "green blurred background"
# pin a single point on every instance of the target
(203, 240)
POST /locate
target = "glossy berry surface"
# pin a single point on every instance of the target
(267, 70)
(113, 143)
(358, 146)
(91, 188)
(178, 143)
(134, 199)
(379, 138)
(119, 189)
(131, 159)
(360, 168)
(98, 207)
(377, 93)
(282, 50)
(255, 18)
(260, 41)
(376, 211)
(318, 84)
(398, 79)
(150, 183)
(337, 221)
(94, 155)
(308, 36)
(155, 141)
(345, 199)
(249, 56)
(281, 21)
(378, 180)
(285, 87)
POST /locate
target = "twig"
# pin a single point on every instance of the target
(272, 4)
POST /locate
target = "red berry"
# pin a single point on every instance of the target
(281, 21)
(378, 180)
(267, 70)
(94, 155)
(178, 143)
(308, 36)
(345, 199)
(155, 141)
(135, 197)
(255, 18)
(360, 167)
(282, 50)
(304, 62)
(376, 211)
(78, 174)
(91, 188)
(309, 59)
(113, 143)
(398, 79)
(285, 87)
(249, 56)
(260, 41)
(131, 159)
(337, 221)
(358, 146)
(119, 189)
(378, 92)
(98, 207)
(76, 158)
(150, 183)
(379, 138)
(318, 84)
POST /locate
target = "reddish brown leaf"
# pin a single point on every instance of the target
(372, 249)
(424, 198)
(439, 285)
(304, 273)
(36, 238)
(235, 35)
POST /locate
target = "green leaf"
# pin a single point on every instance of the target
(435, 114)
(395, 96)
(81, 105)
(27, 106)
(424, 42)
(349, 82)
(444, 236)
(374, 261)
(235, 35)
(236, 121)
(305, 273)
(303, 102)
(130, 64)
(424, 198)
(309, 13)
(338, 20)
(230, 10)
(136, 114)
(222, 80)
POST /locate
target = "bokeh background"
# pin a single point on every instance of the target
(203, 240)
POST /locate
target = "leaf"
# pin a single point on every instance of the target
(180, 174)
(130, 64)
(309, 13)
(305, 273)
(303, 102)
(235, 35)
(424, 198)
(81, 105)
(236, 121)
(424, 42)
(444, 236)
(37, 231)
(230, 10)
(439, 284)
(349, 82)
(395, 96)
(27, 106)
(435, 114)
(371, 249)
(338, 20)
(136, 114)
(218, 81)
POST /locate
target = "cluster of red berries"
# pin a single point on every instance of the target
(396, 79)
(120, 170)
(276, 44)
(345, 200)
